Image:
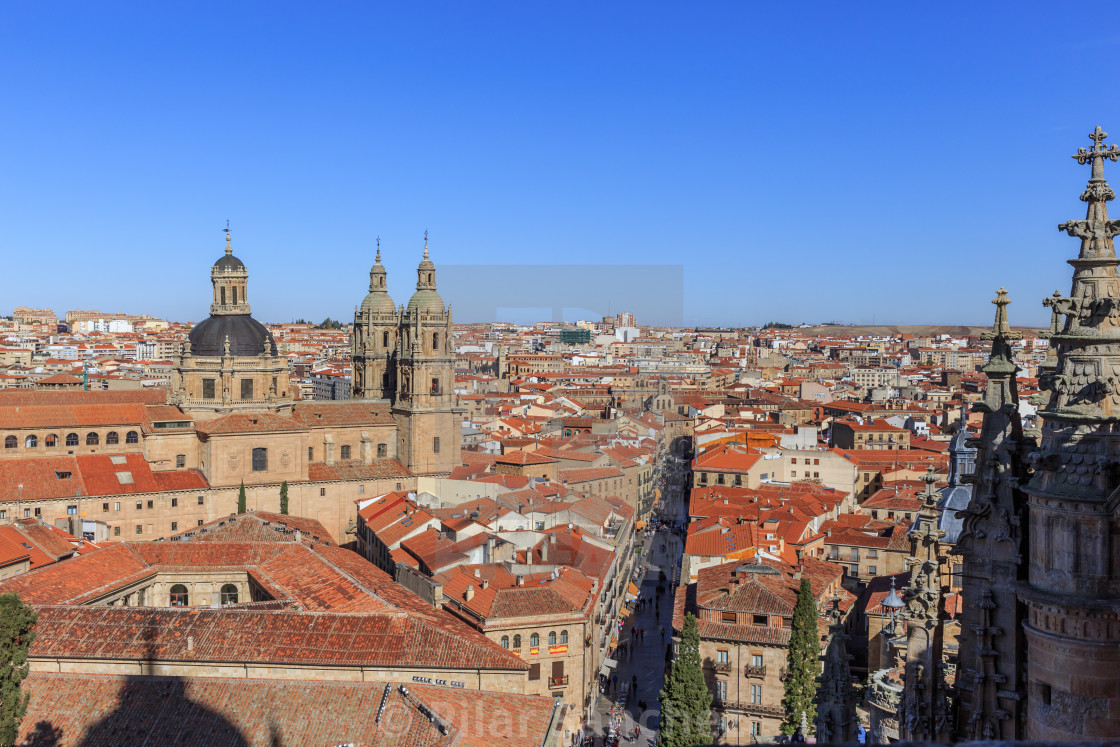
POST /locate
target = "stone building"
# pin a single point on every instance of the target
(147, 464)
(745, 614)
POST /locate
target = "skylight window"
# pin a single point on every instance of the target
(118, 460)
(125, 478)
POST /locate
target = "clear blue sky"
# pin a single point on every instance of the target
(801, 161)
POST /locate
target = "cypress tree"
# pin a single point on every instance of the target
(16, 635)
(284, 498)
(242, 506)
(685, 701)
(803, 665)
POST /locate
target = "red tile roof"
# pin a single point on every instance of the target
(354, 470)
(108, 711)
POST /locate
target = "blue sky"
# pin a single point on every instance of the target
(801, 162)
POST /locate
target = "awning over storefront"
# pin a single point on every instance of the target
(640, 524)
(631, 592)
(610, 663)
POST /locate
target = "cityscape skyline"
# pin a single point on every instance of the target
(534, 136)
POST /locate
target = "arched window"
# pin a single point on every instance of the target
(11, 442)
(92, 439)
(435, 341)
(71, 439)
(534, 640)
(345, 452)
(229, 594)
(385, 339)
(179, 596)
(260, 459)
(31, 442)
(112, 439)
(50, 441)
(517, 641)
(131, 438)
(505, 641)
(564, 637)
(552, 638)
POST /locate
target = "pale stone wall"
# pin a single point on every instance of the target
(738, 675)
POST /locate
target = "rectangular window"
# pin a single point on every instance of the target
(180, 460)
(382, 451)
(322, 491)
(3, 514)
(872, 553)
(139, 528)
(534, 671)
(793, 460)
(174, 502)
(71, 510)
(260, 459)
(727, 617)
(311, 453)
(208, 389)
(200, 500)
(151, 504)
(139, 505)
(873, 570)
(721, 689)
(116, 505)
(116, 531)
(104, 506)
(174, 526)
(756, 693)
(817, 474)
(816, 461)
(756, 660)
(345, 452)
(435, 445)
(756, 728)
(760, 620)
(200, 522)
(721, 656)
(246, 389)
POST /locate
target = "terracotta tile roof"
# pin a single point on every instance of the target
(12, 549)
(62, 416)
(586, 474)
(107, 711)
(120, 474)
(259, 526)
(357, 412)
(726, 458)
(22, 397)
(41, 477)
(355, 470)
(258, 422)
(522, 458)
(50, 539)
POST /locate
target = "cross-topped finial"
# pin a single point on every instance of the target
(378, 257)
(229, 249)
(1097, 153)
(1001, 327)
(425, 243)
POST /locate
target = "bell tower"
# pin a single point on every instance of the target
(374, 343)
(424, 403)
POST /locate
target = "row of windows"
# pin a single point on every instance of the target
(345, 452)
(535, 640)
(722, 657)
(180, 597)
(793, 460)
(209, 387)
(50, 441)
(140, 528)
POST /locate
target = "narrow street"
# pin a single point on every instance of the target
(644, 657)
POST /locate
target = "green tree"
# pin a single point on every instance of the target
(803, 662)
(685, 701)
(242, 503)
(16, 635)
(284, 497)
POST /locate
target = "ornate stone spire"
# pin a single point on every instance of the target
(923, 714)
(835, 698)
(1071, 620)
(990, 697)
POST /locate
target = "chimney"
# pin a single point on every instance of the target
(468, 595)
(485, 583)
(299, 535)
(190, 643)
(519, 580)
(544, 552)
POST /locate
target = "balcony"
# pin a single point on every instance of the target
(754, 709)
(721, 666)
(561, 681)
(750, 670)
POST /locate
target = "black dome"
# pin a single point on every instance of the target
(229, 262)
(246, 336)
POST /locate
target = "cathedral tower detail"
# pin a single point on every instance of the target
(374, 343)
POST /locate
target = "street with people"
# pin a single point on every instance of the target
(627, 710)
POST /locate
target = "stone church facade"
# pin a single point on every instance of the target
(148, 464)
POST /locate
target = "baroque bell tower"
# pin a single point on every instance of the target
(424, 403)
(374, 343)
